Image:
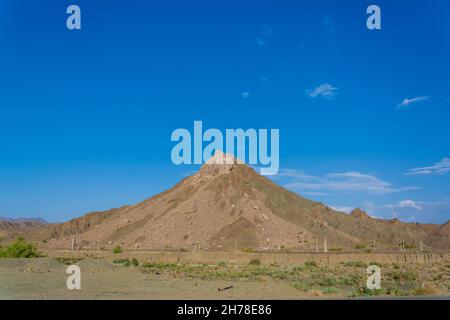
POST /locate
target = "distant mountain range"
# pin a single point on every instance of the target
(231, 207)
(20, 224)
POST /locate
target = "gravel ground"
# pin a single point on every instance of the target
(45, 278)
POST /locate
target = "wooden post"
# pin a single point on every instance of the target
(325, 245)
(317, 245)
(73, 243)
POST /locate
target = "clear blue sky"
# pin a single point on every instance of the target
(86, 116)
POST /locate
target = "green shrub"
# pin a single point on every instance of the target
(330, 290)
(327, 282)
(135, 262)
(127, 262)
(311, 264)
(303, 286)
(117, 249)
(405, 276)
(19, 249)
(222, 264)
(355, 264)
(351, 280)
(364, 291)
(360, 246)
(255, 262)
(123, 262)
(374, 263)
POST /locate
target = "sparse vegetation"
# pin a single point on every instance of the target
(117, 250)
(254, 262)
(344, 279)
(330, 290)
(68, 260)
(426, 290)
(301, 285)
(374, 263)
(135, 262)
(222, 264)
(19, 249)
(127, 262)
(312, 264)
(327, 281)
(364, 291)
(355, 264)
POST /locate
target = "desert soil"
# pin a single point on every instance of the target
(45, 278)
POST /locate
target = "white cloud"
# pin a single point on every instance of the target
(314, 193)
(326, 91)
(347, 181)
(406, 102)
(245, 94)
(409, 204)
(439, 168)
(260, 42)
(342, 209)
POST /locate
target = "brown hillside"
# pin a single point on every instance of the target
(232, 207)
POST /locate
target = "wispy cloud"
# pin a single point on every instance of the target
(245, 94)
(342, 209)
(440, 168)
(329, 24)
(409, 204)
(326, 91)
(261, 39)
(267, 31)
(260, 42)
(338, 182)
(406, 102)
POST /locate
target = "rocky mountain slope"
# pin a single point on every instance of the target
(231, 207)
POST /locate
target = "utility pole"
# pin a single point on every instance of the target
(73, 243)
(325, 245)
(317, 244)
(402, 245)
